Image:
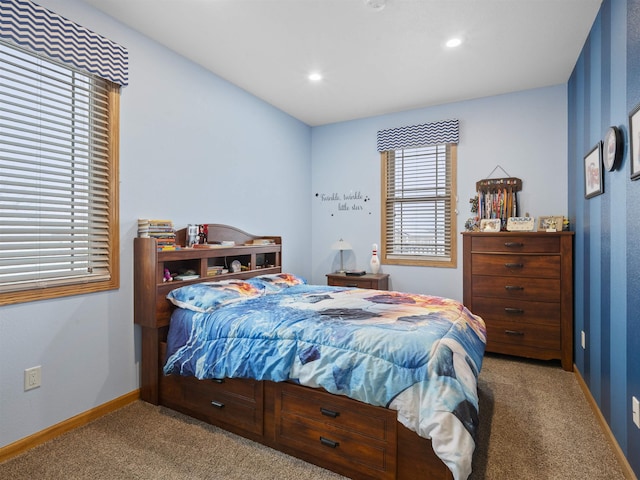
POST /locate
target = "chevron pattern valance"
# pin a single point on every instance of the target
(434, 133)
(26, 24)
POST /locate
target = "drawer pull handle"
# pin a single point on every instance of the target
(514, 332)
(513, 244)
(514, 265)
(351, 285)
(513, 287)
(218, 380)
(514, 310)
(329, 443)
(329, 413)
(217, 404)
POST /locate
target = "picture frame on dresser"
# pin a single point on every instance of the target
(593, 181)
(490, 225)
(634, 142)
(550, 223)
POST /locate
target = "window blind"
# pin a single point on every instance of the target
(54, 174)
(418, 203)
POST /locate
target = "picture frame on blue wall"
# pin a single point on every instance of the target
(593, 181)
(634, 142)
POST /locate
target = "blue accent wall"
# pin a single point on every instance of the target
(633, 235)
(604, 87)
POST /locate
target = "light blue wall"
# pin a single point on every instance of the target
(602, 90)
(523, 132)
(194, 149)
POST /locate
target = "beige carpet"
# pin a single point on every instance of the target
(535, 424)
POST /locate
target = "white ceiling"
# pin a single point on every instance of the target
(373, 61)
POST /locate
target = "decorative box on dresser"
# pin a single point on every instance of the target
(521, 284)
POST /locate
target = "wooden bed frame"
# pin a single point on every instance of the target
(335, 432)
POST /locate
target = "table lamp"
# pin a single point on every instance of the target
(342, 246)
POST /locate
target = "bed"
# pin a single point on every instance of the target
(368, 383)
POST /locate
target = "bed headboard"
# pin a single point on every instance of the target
(258, 255)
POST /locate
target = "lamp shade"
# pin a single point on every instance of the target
(341, 245)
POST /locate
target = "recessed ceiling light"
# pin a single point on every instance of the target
(454, 42)
(376, 5)
(315, 77)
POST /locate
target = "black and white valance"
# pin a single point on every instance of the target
(435, 133)
(28, 25)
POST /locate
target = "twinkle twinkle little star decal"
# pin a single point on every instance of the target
(344, 203)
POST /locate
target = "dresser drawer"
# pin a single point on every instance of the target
(522, 288)
(542, 266)
(375, 281)
(369, 458)
(335, 430)
(336, 411)
(516, 244)
(352, 281)
(544, 337)
(516, 310)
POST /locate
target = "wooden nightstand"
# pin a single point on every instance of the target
(375, 281)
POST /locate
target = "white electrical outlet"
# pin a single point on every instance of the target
(635, 408)
(32, 377)
(584, 341)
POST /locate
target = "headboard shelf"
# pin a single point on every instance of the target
(150, 306)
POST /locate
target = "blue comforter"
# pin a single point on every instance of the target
(417, 354)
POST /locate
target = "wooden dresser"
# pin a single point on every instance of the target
(521, 284)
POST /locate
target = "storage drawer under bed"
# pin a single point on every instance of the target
(234, 403)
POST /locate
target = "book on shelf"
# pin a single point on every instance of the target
(168, 248)
(161, 230)
(186, 277)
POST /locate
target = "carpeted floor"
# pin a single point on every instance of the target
(535, 424)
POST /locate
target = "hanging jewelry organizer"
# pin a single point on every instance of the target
(498, 197)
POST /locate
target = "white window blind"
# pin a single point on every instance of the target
(55, 173)
(418, 216)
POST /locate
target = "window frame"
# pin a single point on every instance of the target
(421, 260)
(85, 285)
